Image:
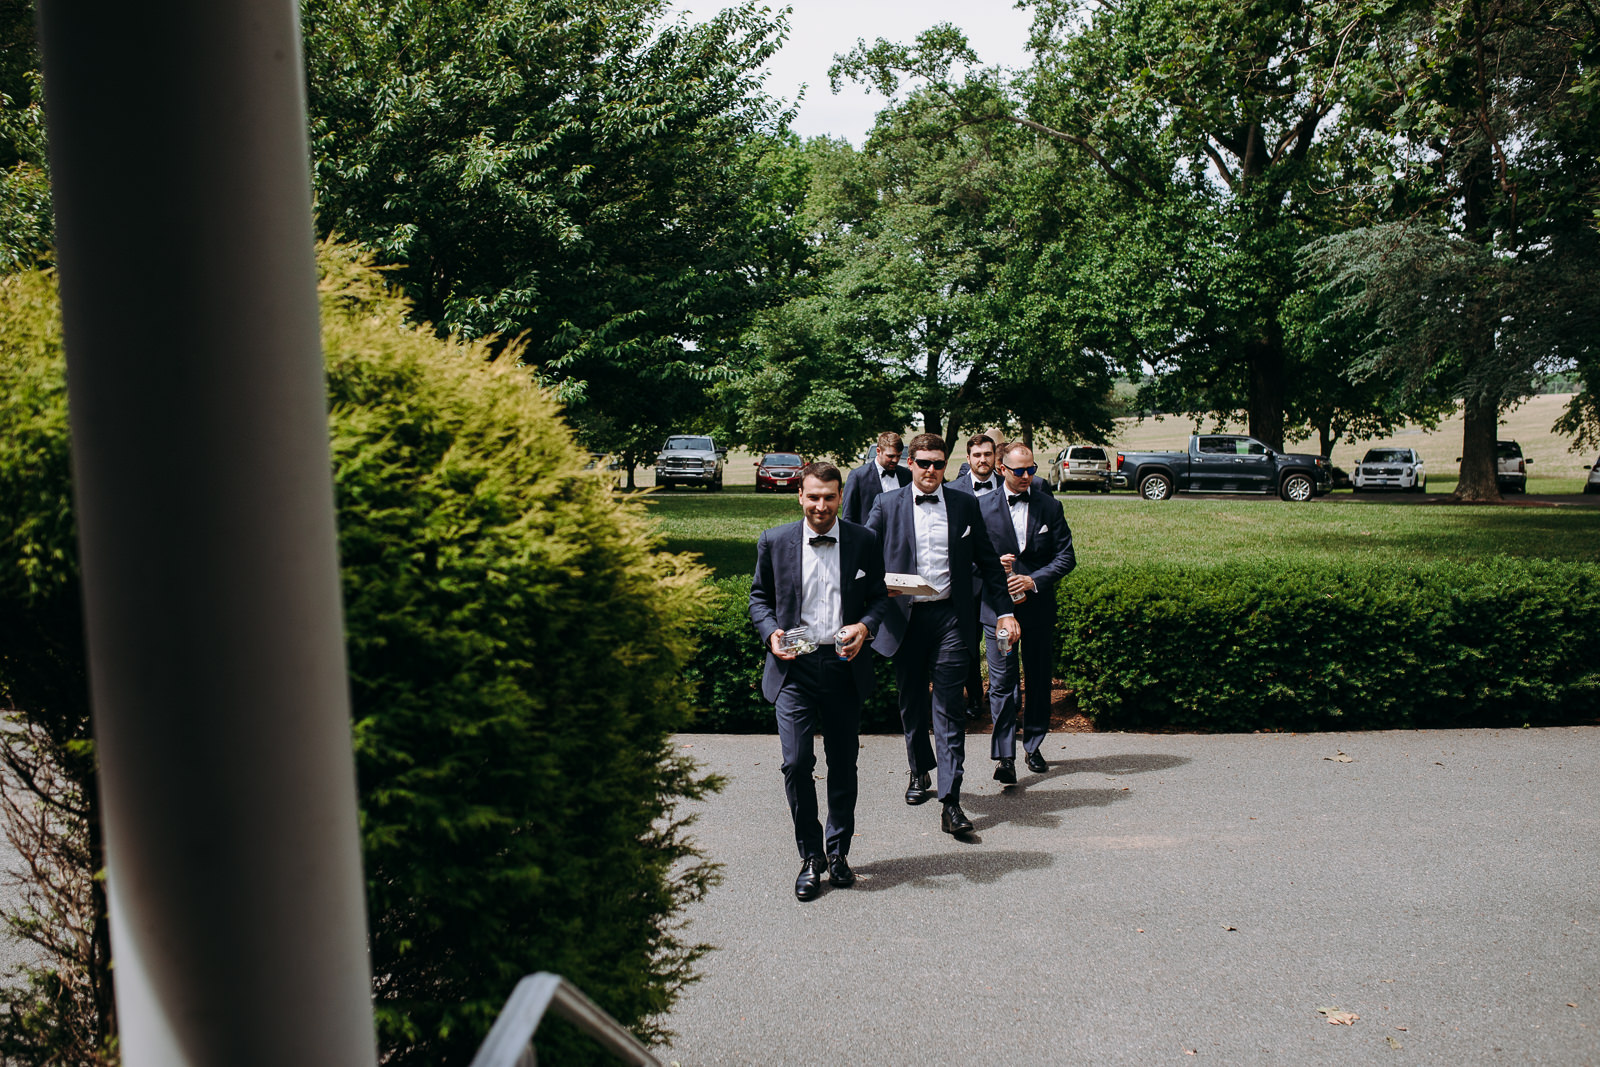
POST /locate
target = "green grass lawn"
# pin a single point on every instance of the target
(1122, 529)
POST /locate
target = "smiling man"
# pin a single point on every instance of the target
(938, 534)
(824, 575)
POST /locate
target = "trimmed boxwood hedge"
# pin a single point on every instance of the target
(1343, 647)
(1500, 642)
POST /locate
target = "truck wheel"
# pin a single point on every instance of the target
(1298, 487)
(1155, 487)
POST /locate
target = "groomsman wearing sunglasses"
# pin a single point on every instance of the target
(928, 530)
(1029, 530)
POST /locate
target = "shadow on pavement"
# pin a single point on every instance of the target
(1040, 808)
(1026, 804)
(1133, 763)
(921, 871)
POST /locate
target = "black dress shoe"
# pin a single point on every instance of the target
(1036, 763)
(1005, 771)
(808, 886)
(920, 790)
(954, 820)
(839, 872)
(974, 711)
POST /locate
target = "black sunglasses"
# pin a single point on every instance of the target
(1023, 470)
(930, 464)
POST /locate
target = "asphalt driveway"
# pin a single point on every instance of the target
(1168, 899)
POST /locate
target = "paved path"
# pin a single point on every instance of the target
(1169, 899)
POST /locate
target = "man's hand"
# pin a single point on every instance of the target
(774, 641)
(1009, 622)
(855, 642)
(1020, 583)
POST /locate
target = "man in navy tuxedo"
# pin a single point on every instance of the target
(874, 478)
(930, 531)
(1027, 527)
(827, 576)
(979, 479)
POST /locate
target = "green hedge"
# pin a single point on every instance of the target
(1238, 648)
(1345, 647)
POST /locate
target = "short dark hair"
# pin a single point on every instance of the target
(927, 442)
(822, 471)
(889, 439)
(978, 439)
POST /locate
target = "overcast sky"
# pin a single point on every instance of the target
(821, 28)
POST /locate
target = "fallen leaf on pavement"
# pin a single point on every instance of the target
(1340, 758)
(1393, 1043)
(1337, 1017)
(1225, 926)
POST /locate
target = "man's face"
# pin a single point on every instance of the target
(820, 501)
(1016, 468)
(981, 460)
(927, 469)
(888, 458)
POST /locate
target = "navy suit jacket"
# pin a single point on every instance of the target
(862, 489)
(776, 594)
(1047, 556)
(970, 548)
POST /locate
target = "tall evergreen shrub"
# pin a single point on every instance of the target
(517, 652)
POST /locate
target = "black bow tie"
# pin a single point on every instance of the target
(823, 539)
(931, 498)
(983, 485)
(1013, 501)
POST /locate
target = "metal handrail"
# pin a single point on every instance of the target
(510, 1041)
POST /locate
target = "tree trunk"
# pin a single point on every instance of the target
(1265, 355)
(951, 429)
(1479, 434)
(1326, 439)
(1027, 435)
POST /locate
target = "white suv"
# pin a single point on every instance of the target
(1511, 470)
(1391, 468)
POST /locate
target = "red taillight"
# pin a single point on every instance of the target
(1119, 461)
(1522, 468)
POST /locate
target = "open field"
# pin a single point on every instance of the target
(1555, 468)
(1122, 528)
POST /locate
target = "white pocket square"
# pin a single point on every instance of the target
(966, 531)
(1044, 529)
(861, 574)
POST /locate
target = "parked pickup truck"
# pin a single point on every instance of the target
(690, 460)
(1223, 463)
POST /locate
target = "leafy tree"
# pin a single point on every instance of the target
(584, 177)
(26, 226)
(1483, 276)
(916, 298)
(1208, 119)
(517, 649)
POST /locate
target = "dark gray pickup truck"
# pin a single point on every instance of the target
(1223, 463)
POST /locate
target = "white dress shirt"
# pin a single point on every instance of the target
(889, 479)
(1019, 520)
(993, 480)
(821, 590)
(932, 528)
